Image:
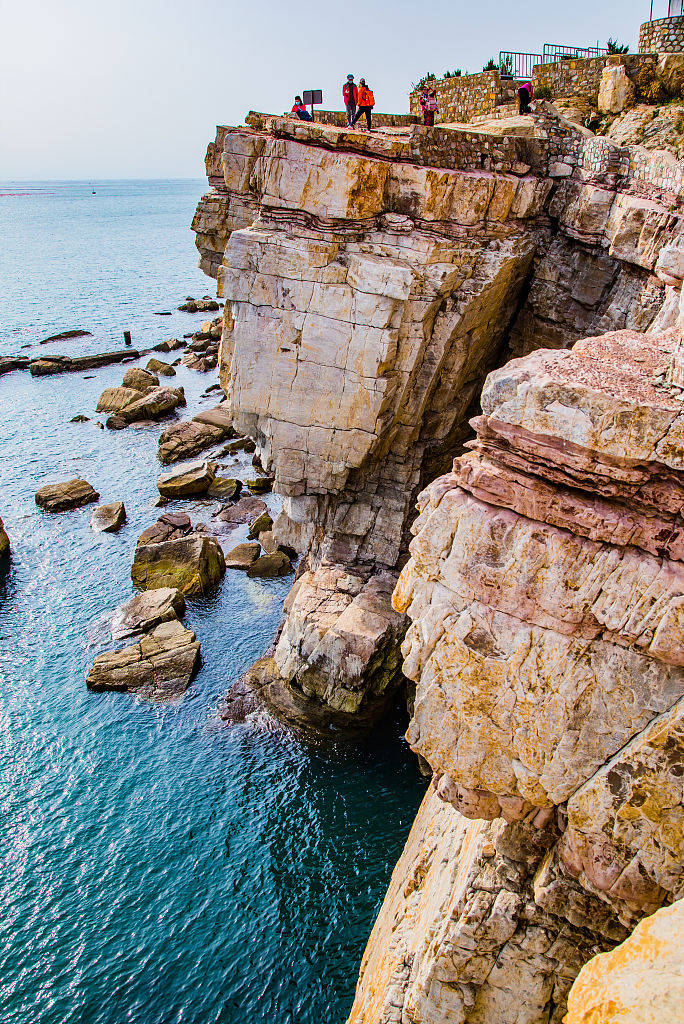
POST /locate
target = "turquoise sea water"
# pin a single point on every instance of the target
(154, 868)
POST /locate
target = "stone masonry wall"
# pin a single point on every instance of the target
(337, 118)
(568, 78)
(666, 35)
(459, 99)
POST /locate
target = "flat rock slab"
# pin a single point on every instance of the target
(108, 518)
(44, 366)
(226, 488)
(145, 611)
(277, 564)
(63, 496)
(159, 667)
(170, 526)
(140, 379)
(116, 398)
(9, 363)
(193, 564)
(159, 366)
(242, 511)
(219, 416)
(189, 482)
(242, 556)
(77, 333)
(183, 440)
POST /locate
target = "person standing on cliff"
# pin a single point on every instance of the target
(430, 108)
(366, 101)
(350, 96)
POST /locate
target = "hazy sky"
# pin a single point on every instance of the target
(134, 88)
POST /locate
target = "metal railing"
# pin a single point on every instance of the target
(675, 9)
(518, 65)
(553, 52)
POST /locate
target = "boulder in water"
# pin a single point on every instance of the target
(183, 440)
(140, 379)
(262, 523)
(108, 518)
(226, 488)
(159, 366)
(63, 496)
(192, 564)
(145, 611)
(159, 667)
(117, 398)
(190, 481)
(170, 526)
(242, 556)
(241, 512)
(154, 404)
(277, 564)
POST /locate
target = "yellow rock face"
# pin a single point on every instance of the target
(640, 982)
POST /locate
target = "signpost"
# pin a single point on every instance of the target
(311, 96)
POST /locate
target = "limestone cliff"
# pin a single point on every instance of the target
(370, 284)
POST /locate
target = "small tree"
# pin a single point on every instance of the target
(615, 47)
(491, 65)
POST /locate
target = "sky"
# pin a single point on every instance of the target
(135, 88)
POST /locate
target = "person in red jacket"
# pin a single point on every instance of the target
(300, 111)
(366, 101)
(350, 96)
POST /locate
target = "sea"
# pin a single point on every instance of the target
(156, 865)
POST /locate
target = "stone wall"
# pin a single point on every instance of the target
(337, 118)
(666, 35)
(461, 98)
(582, 78)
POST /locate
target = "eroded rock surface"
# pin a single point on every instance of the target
(192, 564)
(66, 495)
(108, 518)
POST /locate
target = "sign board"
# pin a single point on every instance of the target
(312, 96)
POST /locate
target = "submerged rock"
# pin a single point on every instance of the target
(260, 484)
(63, 496)
(80, 418)
(190, 481)
(193, 564)
(159, 667)
(108, 518)
(63, 335)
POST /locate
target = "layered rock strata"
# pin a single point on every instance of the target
(370, 283)
(545, 589)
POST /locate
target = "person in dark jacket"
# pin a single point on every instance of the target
(524, 97)
(350, 96)
(300, 111)
(366, 101)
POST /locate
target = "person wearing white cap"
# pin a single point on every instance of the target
(350, 96)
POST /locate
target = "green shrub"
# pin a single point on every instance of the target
(491, 65)
(542, 92)
(615, 47)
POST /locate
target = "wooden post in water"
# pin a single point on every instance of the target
(127, 337)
